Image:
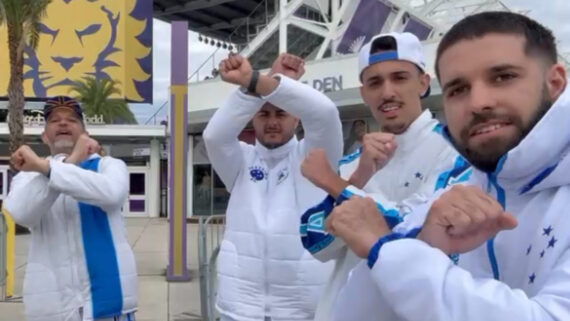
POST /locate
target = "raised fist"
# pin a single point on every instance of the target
(377, 150)
(288, 65)
(84, 147)
(236, 70)
(359, 223)
(26, 160)
(463, 218)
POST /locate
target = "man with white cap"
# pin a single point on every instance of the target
(403, 161)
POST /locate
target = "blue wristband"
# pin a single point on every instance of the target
(413, 233)
(373, 254)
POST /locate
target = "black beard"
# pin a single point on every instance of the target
(274, 145)
(487, 158)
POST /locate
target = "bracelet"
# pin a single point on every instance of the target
(253, 82)
(375, 250)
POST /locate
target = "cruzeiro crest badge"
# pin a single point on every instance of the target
(257, 173)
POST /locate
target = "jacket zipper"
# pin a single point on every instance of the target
(492, 177)
(266, 305)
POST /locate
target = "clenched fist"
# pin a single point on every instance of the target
(84, 147)
(463, 218)
(236, 70)
(288, 65)
(377, 150)
(359, 223)
(26, 160)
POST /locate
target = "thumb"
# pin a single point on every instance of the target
(507, 222)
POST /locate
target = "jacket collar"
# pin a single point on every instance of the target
(541, 159)
(276, 153)
(415, 130)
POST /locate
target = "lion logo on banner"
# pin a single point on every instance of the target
(100, 38)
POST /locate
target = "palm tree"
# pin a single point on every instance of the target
(22, 18)
(94, 97)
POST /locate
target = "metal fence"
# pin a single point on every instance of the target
(210, 234)
(3, 271)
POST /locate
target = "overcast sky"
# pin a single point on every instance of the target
(555, 14)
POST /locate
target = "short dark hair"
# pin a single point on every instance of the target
(387, 43)
(539, 39)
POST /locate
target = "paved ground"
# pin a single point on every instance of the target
(158, 299)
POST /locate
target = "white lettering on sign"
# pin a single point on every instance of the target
(38, 120)
(141, 151)
(326, 84)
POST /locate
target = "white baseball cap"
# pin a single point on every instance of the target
(404, 46)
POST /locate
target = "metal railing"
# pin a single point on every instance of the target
(3, 271)
(210, 234)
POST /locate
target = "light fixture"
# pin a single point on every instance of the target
(200, 38)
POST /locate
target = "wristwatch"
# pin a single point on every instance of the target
(253, 82)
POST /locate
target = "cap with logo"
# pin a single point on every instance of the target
(392, 46)
(62, 102)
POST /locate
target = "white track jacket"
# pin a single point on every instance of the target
(522, 274)
(79, 256)
(416, 168)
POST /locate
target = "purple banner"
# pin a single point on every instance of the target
(418, 28)
(367, 21)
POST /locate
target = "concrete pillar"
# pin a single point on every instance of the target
(154, 179)
(190, 179)
(177, 261)
(282, 26)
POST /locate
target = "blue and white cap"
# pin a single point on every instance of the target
(402, 46)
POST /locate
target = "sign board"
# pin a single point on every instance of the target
(79, 38)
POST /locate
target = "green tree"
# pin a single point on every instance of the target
(94, 95)
(22, 19)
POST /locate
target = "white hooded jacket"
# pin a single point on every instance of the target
(263, 270)
(522, 274)
(416, 168)
(79, 257)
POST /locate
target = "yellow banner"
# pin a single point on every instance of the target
(79, 38)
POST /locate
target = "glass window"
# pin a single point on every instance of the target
(136, 206)
(221, 195)
(137, 184)
(202, 190)
(199, 154)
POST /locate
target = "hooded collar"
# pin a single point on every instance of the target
(407, 139)
(276, 153)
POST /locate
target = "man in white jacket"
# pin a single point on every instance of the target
(407, 157)
(80, 265)
(507, 109)
(263, 271)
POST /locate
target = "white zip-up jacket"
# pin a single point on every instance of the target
(522, 274)
(79, 257)
(263, 269)
(415, 169)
